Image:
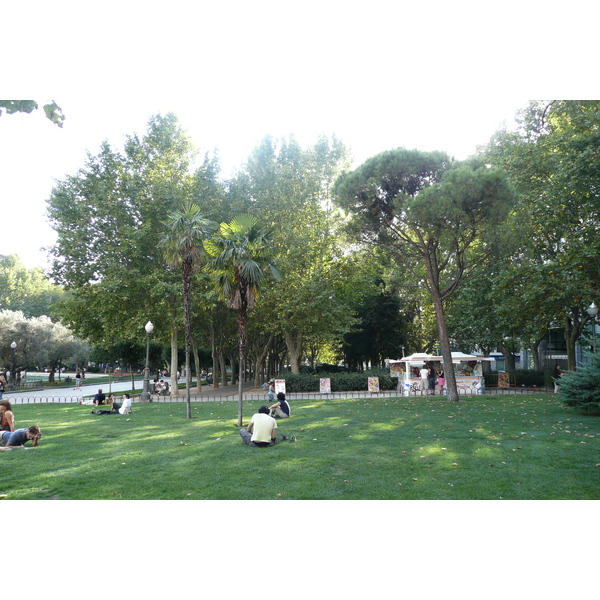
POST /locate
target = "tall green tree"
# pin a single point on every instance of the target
(241, 253)
(186, 228)
(438, 218)
(553, 157)
(109, 217)
(27, 290)
(288, 187)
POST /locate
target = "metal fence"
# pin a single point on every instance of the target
(255, 396)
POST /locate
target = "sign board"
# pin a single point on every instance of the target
(325, 385)
(279, 386)
(396, 370)
(374, 384)
(503, 379)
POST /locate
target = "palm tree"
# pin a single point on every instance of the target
(182, 244)
(240, 251)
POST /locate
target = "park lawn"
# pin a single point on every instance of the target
(512, 447)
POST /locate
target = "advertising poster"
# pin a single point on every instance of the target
(325, 385)
(396, 370)
(503, 380)
(279, 386)
(374, 384)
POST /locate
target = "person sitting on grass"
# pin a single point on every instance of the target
(122, 409)
(7, 417)
(99, 398)
(281, 408)
(18, 438)
(262, 429)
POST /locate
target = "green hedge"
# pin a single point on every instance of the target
(340, 382)
(523, 377)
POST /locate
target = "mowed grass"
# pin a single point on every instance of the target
(516, 447)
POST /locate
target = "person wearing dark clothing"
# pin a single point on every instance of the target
(556, 373)
(281, 408)
(99, 398)
(431, 379)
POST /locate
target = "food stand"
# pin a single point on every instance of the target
(468, 371)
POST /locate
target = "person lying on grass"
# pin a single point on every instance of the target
(262, 429)
(18, 438)
(281, 408)
(7, 417)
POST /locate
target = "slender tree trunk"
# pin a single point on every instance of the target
(215, 359)
(186, 276)
(197, 366)
(223, 368)
(573, 328)
(242, 322)
(174, 363)
(451, 387)
(433, 278)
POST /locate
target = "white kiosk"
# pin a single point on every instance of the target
(468, 371)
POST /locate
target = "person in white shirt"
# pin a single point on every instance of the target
(424, 373)
(125, 408)
(262, 429)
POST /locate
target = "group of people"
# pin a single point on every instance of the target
(430, 377)
(15, 438)
(100, 399)
(262, 428)
(161, 387)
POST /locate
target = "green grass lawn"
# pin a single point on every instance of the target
(516, 447)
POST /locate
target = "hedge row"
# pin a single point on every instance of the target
(340, 382)
(352, 382)
(523, 377)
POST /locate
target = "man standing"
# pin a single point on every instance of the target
(424, 373)
(262, 429)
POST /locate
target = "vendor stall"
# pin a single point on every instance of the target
(468, 371)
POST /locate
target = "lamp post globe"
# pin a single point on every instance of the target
(146, 397)
(592, 310)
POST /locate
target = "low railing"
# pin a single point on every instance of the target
(259, 395)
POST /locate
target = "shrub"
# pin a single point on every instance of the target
(521, 377)
(581, 388)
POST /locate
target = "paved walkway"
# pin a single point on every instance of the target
(69, 395)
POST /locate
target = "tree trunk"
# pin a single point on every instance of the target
(198, 367)
(174, 363)
(509, 357)
(215, 359)
(186, 277)
(294, 348)
(573, 328)
(242, 322)
(451, 387)
(223, 368)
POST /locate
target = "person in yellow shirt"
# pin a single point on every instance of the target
(262, 429)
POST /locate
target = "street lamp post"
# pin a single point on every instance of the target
(592, 310)
(146, 397)
(12, 367)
